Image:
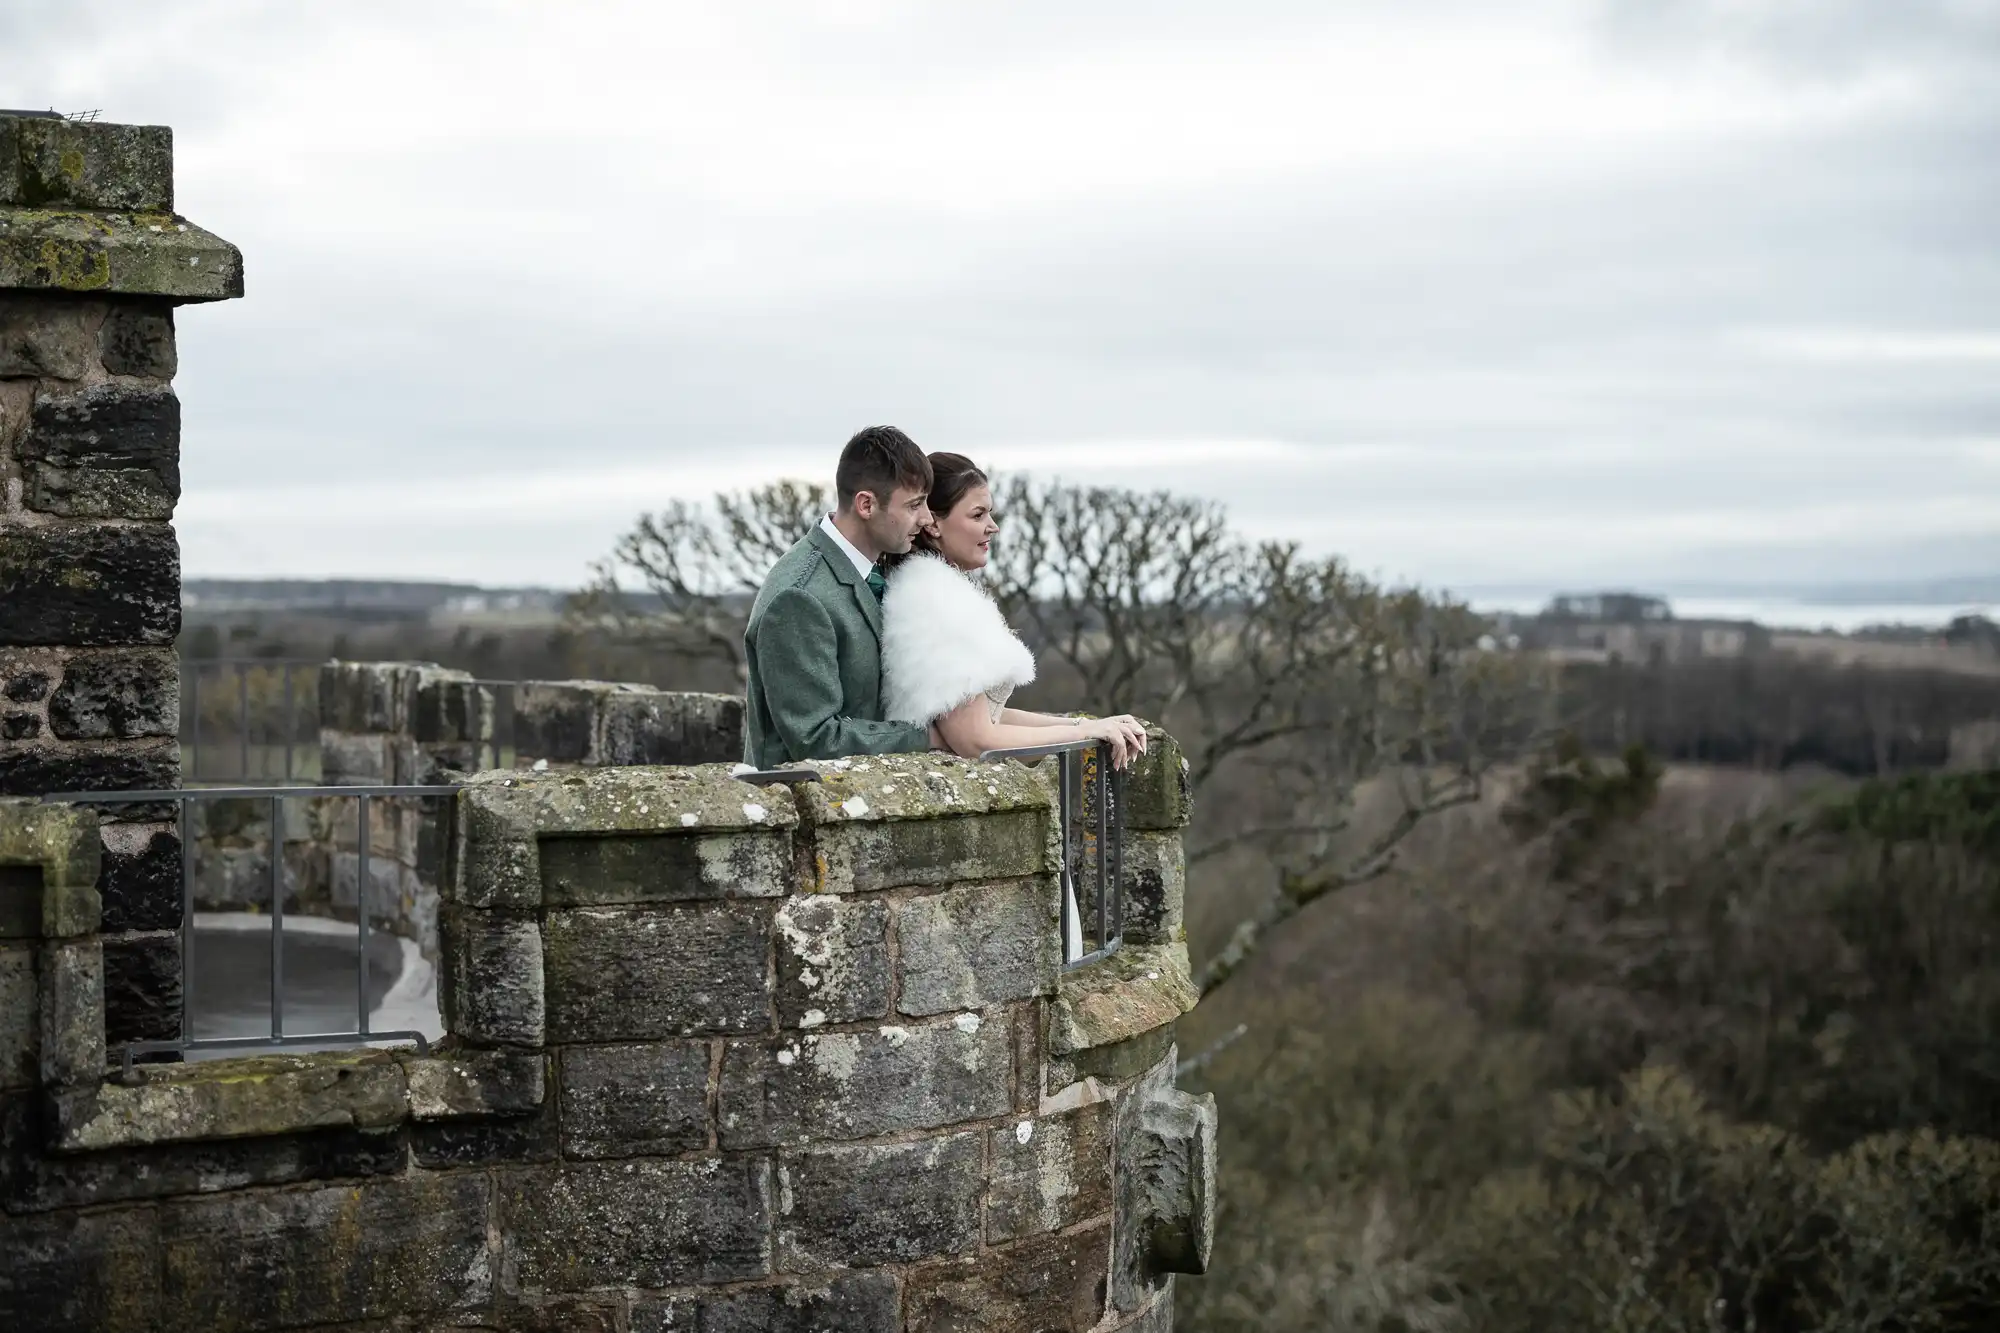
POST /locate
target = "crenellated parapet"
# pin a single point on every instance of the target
(723, 1054)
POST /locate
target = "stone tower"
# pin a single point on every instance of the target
(93, 261)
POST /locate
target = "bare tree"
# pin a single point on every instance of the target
(1101, 577)
(1294, 673)
(699, 567)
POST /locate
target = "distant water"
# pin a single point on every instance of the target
(1780, 613)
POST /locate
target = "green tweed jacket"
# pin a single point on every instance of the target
(815, 652)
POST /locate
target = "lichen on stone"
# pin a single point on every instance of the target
(1133, 991)
(917, 786)
(624, 800)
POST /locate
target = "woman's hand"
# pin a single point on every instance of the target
(1125, 734)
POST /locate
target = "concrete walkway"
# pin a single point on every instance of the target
(230, 990)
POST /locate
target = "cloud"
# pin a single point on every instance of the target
(1880, 346)
(1453, 291)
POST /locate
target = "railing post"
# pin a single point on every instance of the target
(1095, 793)
(277, 922)
(187, 925)
(1103, 857)
(194, 749)
(242, 723)
(361, 849)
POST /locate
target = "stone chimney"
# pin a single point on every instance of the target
(93, 260)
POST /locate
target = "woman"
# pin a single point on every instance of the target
(948, 656)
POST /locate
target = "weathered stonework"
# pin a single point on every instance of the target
(833, 960)
(700, 1076)
(92, 261)
(1049, 1174)
(635, 1101)
(979, 944)
(853, 1085)
(597, 724)
(381, 723)
(637, 1223)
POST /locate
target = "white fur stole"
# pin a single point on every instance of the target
(943, 641)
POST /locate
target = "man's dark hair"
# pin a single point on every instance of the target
(878, 460)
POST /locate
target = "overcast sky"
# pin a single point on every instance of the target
(1473, 293)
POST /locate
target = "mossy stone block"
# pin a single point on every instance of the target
(229, 1099)
(50, 860)
(1154, 878)
(61, 163)
(72, 1013)
(645, 1100)
(642, 973)
(410, 1247)
(1133, 991)
(833, 960)
(1049, 1282)
(20, 1019)
(493, 977)
(99, 584)
(795, 1089)
(75, 1270)
(862, 854)
(116, 254)
(466, 1083)
(600, 870)
(867, 1204)
(1049, 1173)
(1158, 796)
(978, 944)
(647, 1224)
(881, 788)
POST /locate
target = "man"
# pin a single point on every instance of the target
(815, 635)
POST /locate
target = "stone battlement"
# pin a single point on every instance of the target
(721, 1055)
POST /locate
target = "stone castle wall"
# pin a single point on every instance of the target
(402, 723)
(93, 260)
(722, 1057)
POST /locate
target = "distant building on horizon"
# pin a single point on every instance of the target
(1618, 607)
(1632, 627)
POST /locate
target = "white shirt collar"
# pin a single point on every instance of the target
(862, 564)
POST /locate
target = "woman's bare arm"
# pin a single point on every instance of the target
(1021, 717)
(970, 731)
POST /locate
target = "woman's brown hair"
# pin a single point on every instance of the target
(952, 475)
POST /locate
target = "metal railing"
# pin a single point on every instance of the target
(182, 799)
(1090, 796)
(268, 744)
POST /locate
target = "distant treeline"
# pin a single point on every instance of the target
(1766, 712)
(1776, 712)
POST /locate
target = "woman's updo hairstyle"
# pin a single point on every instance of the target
(952, 475)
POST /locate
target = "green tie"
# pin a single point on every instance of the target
(877, 584)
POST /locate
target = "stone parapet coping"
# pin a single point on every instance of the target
(281, 1094)
(1130, 993)
(917, 786)
(627, 801)
(118, 254)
